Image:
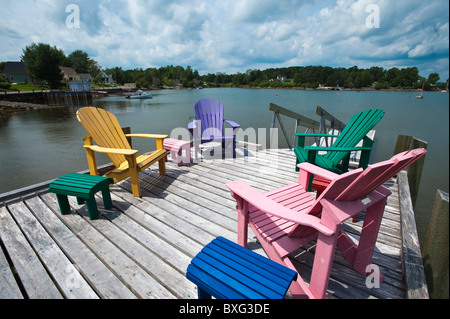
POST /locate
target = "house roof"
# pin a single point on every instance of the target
(67, 71)
(84, 76)
(14, 67)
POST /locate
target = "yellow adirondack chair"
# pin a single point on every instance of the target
(105, 130)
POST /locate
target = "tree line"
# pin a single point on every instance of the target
(43, 61)
(315, 76)
(290, 77)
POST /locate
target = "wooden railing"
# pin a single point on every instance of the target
(327, 122)
(414, 171)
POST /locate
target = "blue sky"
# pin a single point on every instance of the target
(236, 35)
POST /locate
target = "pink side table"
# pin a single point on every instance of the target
(176, 148)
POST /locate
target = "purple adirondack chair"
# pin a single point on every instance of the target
(208, 125)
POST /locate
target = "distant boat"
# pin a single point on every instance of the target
(140, 95)
(420, 97)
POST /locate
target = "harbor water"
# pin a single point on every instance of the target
(40, 145)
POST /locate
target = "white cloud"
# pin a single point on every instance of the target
(234, 35)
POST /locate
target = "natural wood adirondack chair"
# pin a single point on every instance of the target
(287, 218)
(209, 117)
(338, 155)
(105, 130)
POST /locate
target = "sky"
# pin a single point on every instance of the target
(233, 36)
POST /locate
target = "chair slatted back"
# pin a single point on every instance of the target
(357, 128)
(106, 131)
(210, 113)
(377, 174)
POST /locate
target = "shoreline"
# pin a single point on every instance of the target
(8, 108)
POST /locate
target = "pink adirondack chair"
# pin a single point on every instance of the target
(289, 217)
(209, 125)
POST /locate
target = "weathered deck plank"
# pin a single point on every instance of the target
(35, 279)
(106, 284)
(142, 247)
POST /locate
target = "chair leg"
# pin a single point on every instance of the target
(368, 238)
(162, 167)
(323, 260)
(134, 178)
(63, 203)
(92, 208)
(242, 208)
(135, 187)
(180, 157)
(107, 202)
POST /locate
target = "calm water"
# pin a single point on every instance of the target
(42, 145)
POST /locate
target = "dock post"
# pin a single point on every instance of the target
(405, 143)
(435, 252)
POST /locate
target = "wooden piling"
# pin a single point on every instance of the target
(436, 251)
(405, 143)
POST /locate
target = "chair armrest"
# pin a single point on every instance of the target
(302, 137)
(232, 124)
(308, 169)
(336, 149)
(147, 135)
(316, 134)
(270, 207)
(316, 170)
(106, 150)
(159, 138)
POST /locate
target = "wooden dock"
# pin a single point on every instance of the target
(142, 247)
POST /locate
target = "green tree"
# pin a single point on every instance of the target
(433, 78)
(94, 69)
(378, 73)
(392, 77)
(409, 77)
(79, 61)
(43, 63)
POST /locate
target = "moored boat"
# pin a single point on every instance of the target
(140, 95)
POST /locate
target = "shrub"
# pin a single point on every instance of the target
(5, 85)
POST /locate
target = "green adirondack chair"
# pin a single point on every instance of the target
(338, 155)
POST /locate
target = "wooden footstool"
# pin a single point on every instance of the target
(226, 270)
(83, 187)
(176, 148)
